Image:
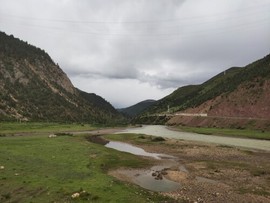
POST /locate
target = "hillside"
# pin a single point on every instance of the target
(138, 108)
(234, 98)
(34, 88)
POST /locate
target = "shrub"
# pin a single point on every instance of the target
(158, 139)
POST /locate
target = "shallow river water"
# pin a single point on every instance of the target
(124, 147)
(163, 131)
(144, 177)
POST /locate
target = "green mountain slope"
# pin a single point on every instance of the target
(138, 108)
(193, 95)
(33, 87)
(236, 92)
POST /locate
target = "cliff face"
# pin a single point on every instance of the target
(33, 87)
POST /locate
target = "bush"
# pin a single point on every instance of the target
(63, 134)
(158, 139)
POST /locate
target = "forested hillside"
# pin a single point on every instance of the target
(33, 87)
(138, 108)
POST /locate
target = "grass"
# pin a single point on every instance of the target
(32, 127)
(245, 133)
(42, 169)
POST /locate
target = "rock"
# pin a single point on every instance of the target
(2, 167)
(216, 194)
(154, 174)
(164, 173)
(75, 195)
(52, 135)
(159, 177)
(199, 200)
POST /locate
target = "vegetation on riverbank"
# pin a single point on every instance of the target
(42, 169)
(244, 133)
(9, 128)
(27, 127)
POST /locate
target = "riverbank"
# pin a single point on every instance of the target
(209, 172)
(164, 131)
(240, 133)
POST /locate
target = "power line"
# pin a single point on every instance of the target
(162, 36)
(168, 32)
(263, 6)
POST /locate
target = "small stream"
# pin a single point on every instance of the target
(124, 147)
(151, 179)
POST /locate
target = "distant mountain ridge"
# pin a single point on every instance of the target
(240, 93)
(34, 88)
(138, 108)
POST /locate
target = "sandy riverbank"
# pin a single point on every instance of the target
(212, 173)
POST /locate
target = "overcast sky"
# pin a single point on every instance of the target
(130, 50)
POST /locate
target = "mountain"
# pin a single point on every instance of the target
(34, 88)
(234, 98)
(138, 108)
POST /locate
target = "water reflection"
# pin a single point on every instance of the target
(144, 177)
(124, 147)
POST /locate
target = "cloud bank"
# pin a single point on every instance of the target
(128, 51)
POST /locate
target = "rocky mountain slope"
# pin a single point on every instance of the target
(138, 108)
(34, 88)
(236, 97)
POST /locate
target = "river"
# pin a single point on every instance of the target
(163, 131)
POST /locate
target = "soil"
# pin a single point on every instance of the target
(246, 107)
(213, 173)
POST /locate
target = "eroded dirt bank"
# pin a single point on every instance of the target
(211, 173)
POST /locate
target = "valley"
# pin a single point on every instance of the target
(38, 167)
(207, 142)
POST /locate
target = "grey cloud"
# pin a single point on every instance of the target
(160, 44)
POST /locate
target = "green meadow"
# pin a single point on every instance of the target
(36, 127)
(41, 169)
(244, 133)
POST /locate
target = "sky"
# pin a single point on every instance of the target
(128, 51)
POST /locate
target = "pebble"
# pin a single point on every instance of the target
(199, 200)
(216, 194)
(75, 195)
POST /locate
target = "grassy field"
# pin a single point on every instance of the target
(33, 127)
(42, 169)
(245, 133)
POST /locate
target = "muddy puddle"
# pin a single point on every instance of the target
(155, 178)
(145, 179)
(152, 179)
